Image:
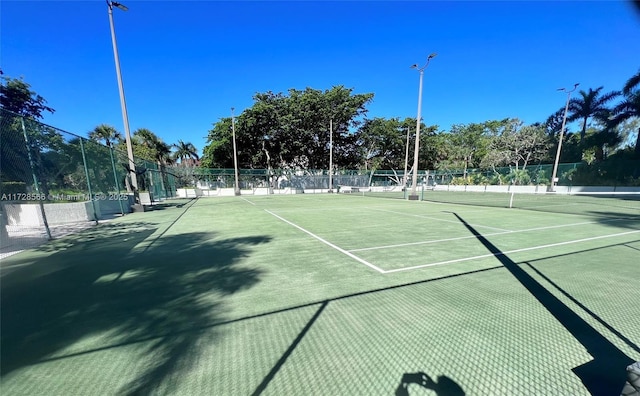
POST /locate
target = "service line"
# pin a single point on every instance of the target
(470, 236)
(510, 251)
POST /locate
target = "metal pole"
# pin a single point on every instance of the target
(414, 179)
(331, 155)
(86, 172)
(123, 104)
(235, 152)
(552, 187)
(115, 179)
(36, 185)
(406, 161)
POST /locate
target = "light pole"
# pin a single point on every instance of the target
(235, 152)
(123, 104)
(331, 155)
(414, 180)
(554, 180)
(406, 161)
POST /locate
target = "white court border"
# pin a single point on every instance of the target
(511, 251)
(353, 256)
(380, 270)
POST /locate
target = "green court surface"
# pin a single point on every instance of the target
(326, 295)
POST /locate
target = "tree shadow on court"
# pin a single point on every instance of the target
(614, 219)
(442, 386)
(605, 374)
(111, 288)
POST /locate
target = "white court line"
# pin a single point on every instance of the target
(469, 236)
(328, 243)
(509, 252)
(437, 219)
(252, 203)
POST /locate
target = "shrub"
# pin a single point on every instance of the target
(519, 177)
(13, 187)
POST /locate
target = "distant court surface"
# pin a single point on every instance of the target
(328, 294)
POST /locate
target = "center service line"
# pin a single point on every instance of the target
(252, 203)
(328, 243)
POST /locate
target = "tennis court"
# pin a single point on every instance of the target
(329, 294)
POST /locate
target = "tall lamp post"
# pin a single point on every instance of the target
(414, 181)
(235, 152)
(123, 104)
(406, 161)
(554, 180)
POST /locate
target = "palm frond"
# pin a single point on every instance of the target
(631, 84)
(628, 108)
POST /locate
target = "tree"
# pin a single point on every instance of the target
(185, 151)
(590, 104)
(468, 144)
(20, 159)
(105, 133)
(632, 84)
(16, 96)
(291, 131)
(21, 109)
(517, 145)
(150, 146)
(382, 143)
(553, 124)
(218, 153)
(627, 109)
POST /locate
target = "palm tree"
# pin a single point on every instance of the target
(105, 133)
(158, 150)
(590, 104)
(631, 84)
(628, 108)
(185, 151)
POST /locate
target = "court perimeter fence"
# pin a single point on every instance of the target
(613, 174)
(54, 182)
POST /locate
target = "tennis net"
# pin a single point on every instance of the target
(599, 203)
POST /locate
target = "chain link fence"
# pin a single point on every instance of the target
(53, 182)
(612, 173)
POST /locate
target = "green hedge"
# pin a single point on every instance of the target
(13, 187)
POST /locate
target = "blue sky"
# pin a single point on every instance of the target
(185, 64)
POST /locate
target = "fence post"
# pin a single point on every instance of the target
(35, 179)
(86, 172)
(115, 179)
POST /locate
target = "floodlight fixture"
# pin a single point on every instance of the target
(120, 6)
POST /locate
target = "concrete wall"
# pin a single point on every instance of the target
(189, 192)
(60, 213)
